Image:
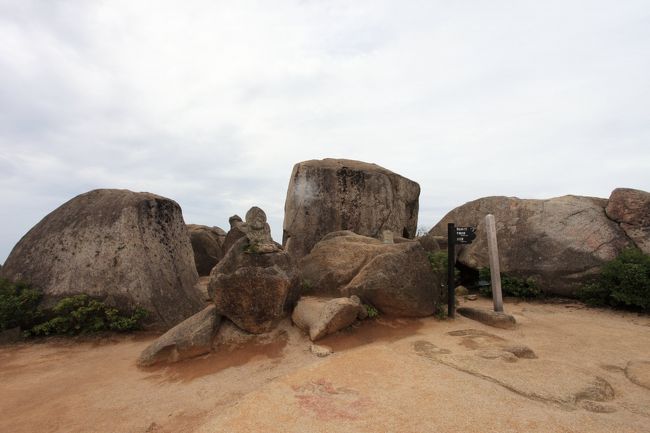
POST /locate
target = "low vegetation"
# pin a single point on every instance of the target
(18, 305)
(525, 288)
(73, 315)
(623, 282)
(439, 262)
(371, 311)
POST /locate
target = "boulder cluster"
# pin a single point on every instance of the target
(348, 249)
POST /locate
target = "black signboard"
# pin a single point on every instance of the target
(465, 235)
(455, 235)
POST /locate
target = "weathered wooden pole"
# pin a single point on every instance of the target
(451, 262)
(495, 270)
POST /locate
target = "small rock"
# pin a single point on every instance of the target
(387, 237)
(520, 351)
(497, 354)
(471, 297)
(320, 351)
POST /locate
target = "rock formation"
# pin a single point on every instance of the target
(324, 316)
(256, 283)
(192, 337)
(207, 246)
(235, 233)
(631, 209)
(397, 279)
(258, 232)
(339, 194)
(128, 249)
(560, 242)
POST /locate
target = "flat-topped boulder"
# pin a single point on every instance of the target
(560, 242)
(397, 279)
(126, 248)
(339, 194)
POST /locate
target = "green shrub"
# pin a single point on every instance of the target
(439, 262)
(72, 315)
(371, 311)
(623, 282)
(18, 305)
(525, 288)
(81, 314)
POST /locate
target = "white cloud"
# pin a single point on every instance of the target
(211, 103)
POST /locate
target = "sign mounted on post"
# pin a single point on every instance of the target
(465, 235)
(455, 235)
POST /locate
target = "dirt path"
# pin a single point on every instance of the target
(590, 373)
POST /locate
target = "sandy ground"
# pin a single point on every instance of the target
(591, 373)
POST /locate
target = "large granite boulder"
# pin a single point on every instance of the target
(207, 246)
(256, 283)
(192, 337)
(631, 209)
(395, 278)
(129, 249)
(340, 194)
(560, 242)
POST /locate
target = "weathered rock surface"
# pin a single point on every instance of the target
(192, 337)
(339, 194)
(546, 381)
(235, 233)
(324, 316)
(631, 209)
(258, 232)
(489, 317)
(395, 278)
(560, 242)
(126, 248)
(206, 244)
(254, 290)
(517, 368)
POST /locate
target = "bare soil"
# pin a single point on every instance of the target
(590, 372)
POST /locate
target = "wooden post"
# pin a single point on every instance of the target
(495, 270)
(451, 262)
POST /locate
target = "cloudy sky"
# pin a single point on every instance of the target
(212, 102)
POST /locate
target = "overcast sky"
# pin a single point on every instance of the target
(211, 103)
